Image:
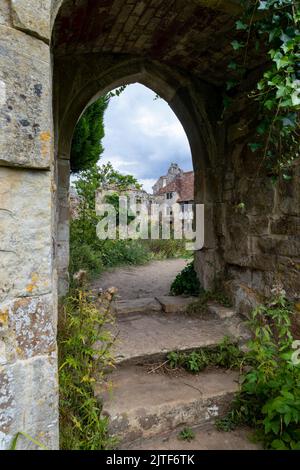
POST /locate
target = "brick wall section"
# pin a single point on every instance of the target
(176, 32)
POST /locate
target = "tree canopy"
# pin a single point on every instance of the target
(87, 140)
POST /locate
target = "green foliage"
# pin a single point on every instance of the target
(274, 27)
(86, 250)
(93, 255)
(15, 439)
(200, 306)
(226, 355)
(164, 249)
(187, 434)
(89, 132)
(97, 176)
(186, 282)
(82, 325)
(86, 144)
(270, 393)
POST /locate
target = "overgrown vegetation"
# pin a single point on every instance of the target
(186, 282)
(269, 399)
(82, 324)
(90, 253)
(272, 27)
(227, 355)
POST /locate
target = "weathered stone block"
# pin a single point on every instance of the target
(5, 12)
(25, 233)
(286, 225)
(245, 298)
(29, 402)
(31, 328)
(25, 100)
(281, 245)
(289, 193)
(26, 18)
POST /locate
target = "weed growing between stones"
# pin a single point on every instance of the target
(226, 355)
(269, 399)
(82, 325)
(187, 434)
(200, 306)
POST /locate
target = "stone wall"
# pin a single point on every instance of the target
(28, 363)
(258, 244)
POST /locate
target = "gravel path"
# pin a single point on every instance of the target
(152, 279)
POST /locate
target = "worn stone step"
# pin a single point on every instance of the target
(175, 304)
(147, 404)
(223, 313)
(206, 437)
(149, 338)
(145, 305)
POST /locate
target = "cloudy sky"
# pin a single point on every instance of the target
(143, 136)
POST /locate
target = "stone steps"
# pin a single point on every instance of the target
(146, 305)
(144, 404)
(147, 404)
(148, 338)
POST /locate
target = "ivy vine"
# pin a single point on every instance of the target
(272, 27)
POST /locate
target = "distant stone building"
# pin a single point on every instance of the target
(173, 172)
(135, 195)
(176, 186)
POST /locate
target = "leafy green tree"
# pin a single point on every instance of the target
(86, 145)
(96, 176)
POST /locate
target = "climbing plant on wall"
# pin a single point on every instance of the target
(272, 27)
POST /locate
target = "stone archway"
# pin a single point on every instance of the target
(180, 93)
(176, 47)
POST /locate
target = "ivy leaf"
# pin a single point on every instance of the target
(232, 66)
(269, 104)
(289, 120)
(240, 25)
(263, 5)
(262, 127)
(280, 60)
(278, 444)
(281, 91)
(296, 98)
(237, 45)
(254, 146)
(226, 102)
(231, 84)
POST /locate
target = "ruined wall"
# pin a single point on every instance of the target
(260, 243)
(28, 368)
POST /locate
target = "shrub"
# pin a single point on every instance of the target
(83, 256)
(186, 282)
(270, 393)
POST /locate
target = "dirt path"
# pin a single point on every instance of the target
(153, 279)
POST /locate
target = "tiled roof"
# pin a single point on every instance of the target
(183, 185)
